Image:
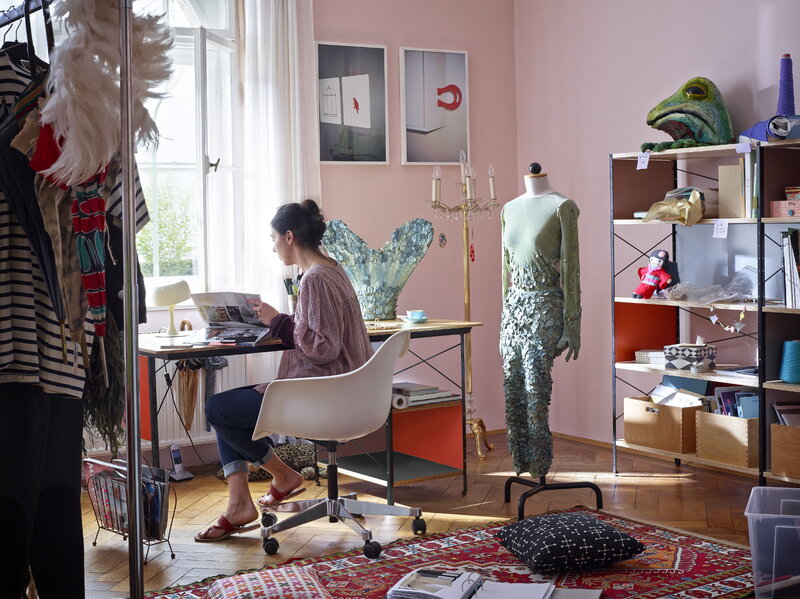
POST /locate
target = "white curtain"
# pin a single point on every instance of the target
(280, 137)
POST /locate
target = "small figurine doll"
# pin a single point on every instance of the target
(654, 276)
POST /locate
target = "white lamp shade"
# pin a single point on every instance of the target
(170, 295)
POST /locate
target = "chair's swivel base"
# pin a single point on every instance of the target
(345, 509)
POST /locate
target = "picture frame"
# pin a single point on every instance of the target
(353, 103)
(434, 106)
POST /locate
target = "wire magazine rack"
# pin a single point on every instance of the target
(107, 486)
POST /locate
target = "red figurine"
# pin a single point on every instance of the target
(653, 276)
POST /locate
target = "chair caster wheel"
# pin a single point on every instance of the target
(268, 519)
(418, 526)
(372, 549)
(271, 545)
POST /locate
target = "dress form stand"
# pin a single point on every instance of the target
(537, 185)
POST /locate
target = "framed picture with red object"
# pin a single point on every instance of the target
(352, 103)
(434, 106)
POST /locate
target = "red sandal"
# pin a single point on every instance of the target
(278, 496)
(223, 524)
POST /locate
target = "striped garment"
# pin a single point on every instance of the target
(30, 334)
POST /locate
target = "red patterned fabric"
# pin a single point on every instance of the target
(277, 583)
(674, 565)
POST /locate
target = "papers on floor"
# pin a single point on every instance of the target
(432, 583)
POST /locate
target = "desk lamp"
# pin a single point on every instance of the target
(170, 295)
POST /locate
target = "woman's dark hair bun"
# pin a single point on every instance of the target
(305, 220)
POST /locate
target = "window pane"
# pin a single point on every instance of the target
(171, 244)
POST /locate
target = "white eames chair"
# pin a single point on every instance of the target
(331, 410)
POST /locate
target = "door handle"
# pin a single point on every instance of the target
(214, 165)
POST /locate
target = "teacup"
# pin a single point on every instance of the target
(415, 314)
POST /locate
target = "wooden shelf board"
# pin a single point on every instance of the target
(445, 403)
(781, 477)
(780, 309)
(767, 220)
(719, 377)
(749, 307)
(702, 221)
(688, 458)
(407, 468)
(781, 386)
(718, 151)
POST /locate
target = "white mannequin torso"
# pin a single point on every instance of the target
(537, 185)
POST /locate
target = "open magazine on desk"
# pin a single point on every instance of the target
(231, 317)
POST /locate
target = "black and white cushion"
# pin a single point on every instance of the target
(567, 542)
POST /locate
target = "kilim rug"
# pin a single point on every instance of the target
(675, 565)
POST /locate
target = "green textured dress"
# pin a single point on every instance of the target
(541, 317)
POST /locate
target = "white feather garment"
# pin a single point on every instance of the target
(83, 91)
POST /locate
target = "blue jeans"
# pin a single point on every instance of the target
(233, 415)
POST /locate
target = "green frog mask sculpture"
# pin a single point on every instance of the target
(695, 115)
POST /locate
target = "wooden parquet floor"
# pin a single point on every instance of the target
(706, 502)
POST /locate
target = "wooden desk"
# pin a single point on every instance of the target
(408, 468)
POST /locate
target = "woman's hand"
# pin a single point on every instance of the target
(266, 313)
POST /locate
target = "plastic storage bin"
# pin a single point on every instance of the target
(773, 517)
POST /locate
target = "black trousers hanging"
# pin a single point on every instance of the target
(40, 492)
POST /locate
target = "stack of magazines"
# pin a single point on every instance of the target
(432, 583)
(419, 393)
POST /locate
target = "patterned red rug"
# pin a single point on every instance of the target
(675, 565)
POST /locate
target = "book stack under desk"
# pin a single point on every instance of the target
(411, 395)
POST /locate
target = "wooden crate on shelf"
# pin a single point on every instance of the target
(727, 439)
(658, 426)
(785, 443)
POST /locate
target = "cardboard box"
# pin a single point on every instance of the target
(682, 356)
(658, 426)
(785, 455)
(784, 208)
(731, 203)
(727, 439)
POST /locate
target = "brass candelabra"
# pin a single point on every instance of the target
(469, 207)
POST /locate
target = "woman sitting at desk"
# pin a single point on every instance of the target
(326, 335)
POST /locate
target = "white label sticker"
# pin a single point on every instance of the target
(642, 161)
(743, 147)
(720, 229)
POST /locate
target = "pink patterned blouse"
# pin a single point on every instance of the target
(327, 329)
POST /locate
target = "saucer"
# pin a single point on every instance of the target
(413, 320)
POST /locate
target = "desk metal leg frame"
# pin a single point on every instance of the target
(543, 485)
(462, 387)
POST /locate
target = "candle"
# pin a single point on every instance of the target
(462, 158)
(437, 184)
(468, 182)
(491, 183)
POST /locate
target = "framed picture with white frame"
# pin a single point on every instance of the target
(353, 103)
(434, 104)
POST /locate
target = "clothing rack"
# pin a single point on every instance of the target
(23, 11)
(130, 289)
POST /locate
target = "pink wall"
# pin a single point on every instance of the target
(587, 74)
(564, 83)
(374, 200)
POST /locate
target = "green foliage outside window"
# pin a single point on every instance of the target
(173, 205)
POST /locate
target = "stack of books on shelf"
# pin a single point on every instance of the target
(791, 264)
(419, 393)
(788, 412)
(741, 402)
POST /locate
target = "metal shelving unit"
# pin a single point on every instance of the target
(631, 189)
